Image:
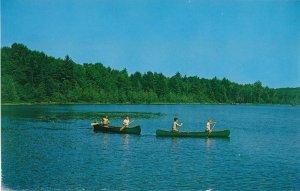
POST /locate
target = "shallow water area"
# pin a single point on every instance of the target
(54, 147)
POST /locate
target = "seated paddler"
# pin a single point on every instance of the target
(209, 126)
(176, 124)
(105, 121)
(126, 123)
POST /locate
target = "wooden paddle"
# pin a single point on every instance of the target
(123, 127)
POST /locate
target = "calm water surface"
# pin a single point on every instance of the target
(55, 148)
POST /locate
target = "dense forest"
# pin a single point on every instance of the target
(33, 77)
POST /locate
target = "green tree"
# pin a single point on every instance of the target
(8, 89)
(32, 76)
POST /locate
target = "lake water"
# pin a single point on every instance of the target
(55, 148)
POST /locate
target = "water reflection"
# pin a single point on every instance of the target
(105, 139)
(174, 143)
(31, 159)
(212, 142)
(208, 142)
(125, 140)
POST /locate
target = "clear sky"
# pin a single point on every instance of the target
(244, 41)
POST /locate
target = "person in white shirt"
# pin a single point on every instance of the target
(208, 125)
(176, 124)
(126, 123)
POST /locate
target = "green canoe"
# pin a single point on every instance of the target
(221, 133)
(112, 129)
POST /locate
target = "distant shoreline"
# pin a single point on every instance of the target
(86, 103)
(34, 78)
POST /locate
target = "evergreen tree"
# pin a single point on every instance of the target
(31, 76)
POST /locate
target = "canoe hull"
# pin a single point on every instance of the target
(222, 134)
(112, 129)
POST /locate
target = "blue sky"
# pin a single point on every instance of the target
(244, 41)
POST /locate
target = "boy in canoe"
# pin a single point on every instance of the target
(208, 127)
(126, 123)
(175, 124)
(105, 121)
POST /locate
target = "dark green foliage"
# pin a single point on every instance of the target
(33, 77)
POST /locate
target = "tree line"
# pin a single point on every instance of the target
(33, 77)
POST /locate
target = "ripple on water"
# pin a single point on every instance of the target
(55, 148)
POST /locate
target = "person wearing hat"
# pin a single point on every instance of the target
(208, 125)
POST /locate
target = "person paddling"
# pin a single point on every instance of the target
(176, 124)
(126, 123)
(105, 121)
(208, 127)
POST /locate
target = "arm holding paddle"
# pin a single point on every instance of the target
(208, 125)
(176, 124)
(126, 123)
(214, 123)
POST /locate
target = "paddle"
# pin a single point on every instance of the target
(180, 126)
(96, 121)
(123, 127)
(131, 122)
(213, 126)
